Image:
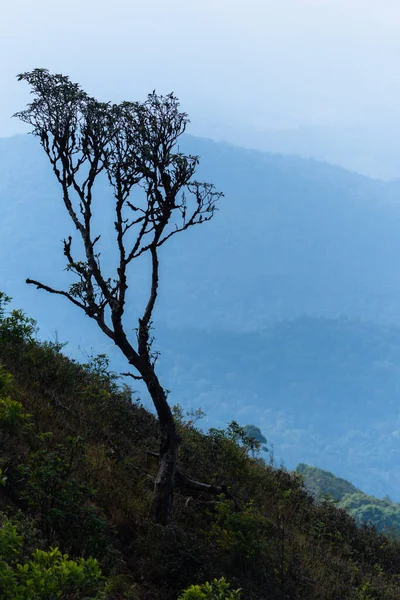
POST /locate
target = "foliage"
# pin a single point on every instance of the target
(5, 382)
(12, 414)
(324, 483)
(99, 368)
(187, 419)
(47, 575)
(15, 327)
(238, 435)
(244, 533)
(368, 592)
(219, 589)
(63, 504)
(384, 514)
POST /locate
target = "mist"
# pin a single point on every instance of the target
(240, 69)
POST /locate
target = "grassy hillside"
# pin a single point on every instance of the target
(77, 469)
(323, 391)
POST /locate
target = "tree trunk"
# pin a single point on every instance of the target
(162, 501)
(163, 494)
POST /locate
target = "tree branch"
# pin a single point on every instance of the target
(42, 286)
(135, 377)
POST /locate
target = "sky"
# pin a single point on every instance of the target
(235, 65)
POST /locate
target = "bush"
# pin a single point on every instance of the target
(48, 575)
(15, 327)
(245, 533)
(219, 589)
(12, 413)
(60, 501)
(368, 592)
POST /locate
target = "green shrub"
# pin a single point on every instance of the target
(98, 367)
(12, 415)
(5, 382)
(368, 592)
(245, 533)
(238, 435)
(10, 541)
(49, 576)
(219, 589)
(15, 327)
(62, 503)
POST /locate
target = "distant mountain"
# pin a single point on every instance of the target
(323, 391)
(263, 313)
(383, 513)
(292, 237)
(324, 483)
(366, 148)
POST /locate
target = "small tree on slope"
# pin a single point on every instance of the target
(134, 145)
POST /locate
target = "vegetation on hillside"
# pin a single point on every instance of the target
(322, 483)
(381, 513)
(77, 476)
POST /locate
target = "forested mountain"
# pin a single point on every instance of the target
(321, 483)
(264, 312)
(323, 391)
(292, 237)
(372, 149)
(384, 514)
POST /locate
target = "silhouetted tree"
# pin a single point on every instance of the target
(134, 145)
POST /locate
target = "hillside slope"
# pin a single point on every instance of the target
(384, 514)
(77, 475)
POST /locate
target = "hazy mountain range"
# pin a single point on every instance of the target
(371, 149)
(283, 311)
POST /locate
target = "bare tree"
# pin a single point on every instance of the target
(134, 145)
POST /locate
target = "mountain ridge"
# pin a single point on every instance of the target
(294, 233)
(291, 238)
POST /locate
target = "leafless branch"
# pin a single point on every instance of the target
(133, 376)
(42, 286)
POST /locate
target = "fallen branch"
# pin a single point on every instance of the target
(185, 482)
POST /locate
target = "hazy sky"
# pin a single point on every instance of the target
(244, 64)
